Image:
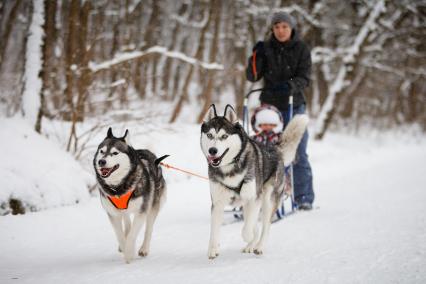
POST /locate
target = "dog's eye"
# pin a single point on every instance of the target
(102, 151)
(209, 135)
(224, 136)
(115, 153)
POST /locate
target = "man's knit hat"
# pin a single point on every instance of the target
(283, 17)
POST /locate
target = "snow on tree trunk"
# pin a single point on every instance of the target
(33, 63)
(340, 81)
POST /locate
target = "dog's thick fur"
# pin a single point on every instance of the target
(119, 169)
(243, 171)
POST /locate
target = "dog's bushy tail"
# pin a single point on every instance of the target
(158, 161)
(291, 137)
(159, 173)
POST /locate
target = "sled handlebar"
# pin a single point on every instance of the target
(253, 91)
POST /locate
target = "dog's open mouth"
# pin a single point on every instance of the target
(215, 161)
(106, 172)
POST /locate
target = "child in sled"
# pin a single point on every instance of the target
(268, 125)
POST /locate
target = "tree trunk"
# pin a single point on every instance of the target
(198, 55)
(6, 35)
(84, 78)
(207, 94)
(70, 54)
(48, 45)
(31, 102)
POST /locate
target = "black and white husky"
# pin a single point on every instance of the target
(244, 172)
(130, 183)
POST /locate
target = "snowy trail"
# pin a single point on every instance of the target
(370, 228)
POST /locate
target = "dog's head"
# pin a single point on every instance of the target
(112, 161)
(221, 136)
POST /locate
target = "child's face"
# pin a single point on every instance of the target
(267, 126)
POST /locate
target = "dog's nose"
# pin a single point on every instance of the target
(102, 163)
(213, 151)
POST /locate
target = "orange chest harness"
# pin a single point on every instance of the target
(121, 201)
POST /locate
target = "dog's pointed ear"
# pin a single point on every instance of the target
(211, 113)
(126, 137)
(230, 114)
(109, 133)
(125, 134)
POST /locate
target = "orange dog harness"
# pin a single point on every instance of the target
(122, 201)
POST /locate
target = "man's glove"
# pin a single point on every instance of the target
(283, 88)
(287, 87)
(292, 87)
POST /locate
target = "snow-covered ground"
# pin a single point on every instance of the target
(36, 171)
(369, 225)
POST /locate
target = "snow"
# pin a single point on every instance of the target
(33, 57)
(36, 171)
(369, 225)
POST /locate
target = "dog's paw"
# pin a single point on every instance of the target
(247, 249)
(213, 253)
(129, 255)
(128, 258)
(143, 252)
(258, 251)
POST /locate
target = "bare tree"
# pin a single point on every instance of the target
(110, 53)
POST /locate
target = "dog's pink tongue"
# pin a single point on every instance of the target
(105, 171)
(212, 159)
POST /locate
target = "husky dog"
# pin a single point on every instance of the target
(130, 183)
(243, 172)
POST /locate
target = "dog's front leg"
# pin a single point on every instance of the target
(219, 197)
(129, 248)
(267, 211)
(216, 221)
(117, 225)
(127, 224)
(150, 219)
(249, 232)
(251, 208)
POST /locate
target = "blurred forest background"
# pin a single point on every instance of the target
(97, 56)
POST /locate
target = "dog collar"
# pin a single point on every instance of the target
(121, 201)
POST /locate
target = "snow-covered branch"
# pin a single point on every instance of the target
(396, 71)
(362, 34)
(326, 54)
(127, 56)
